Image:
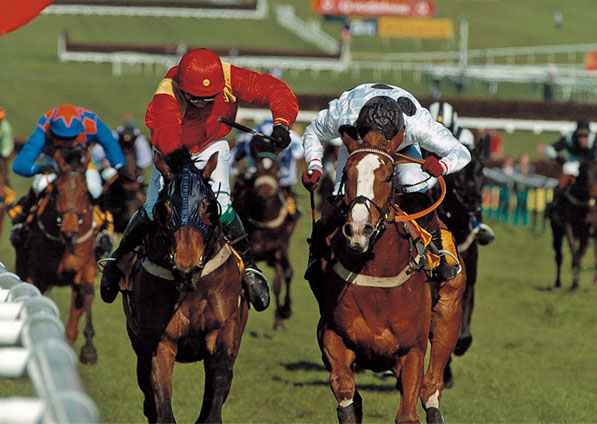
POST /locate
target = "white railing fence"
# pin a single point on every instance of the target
(32, 345)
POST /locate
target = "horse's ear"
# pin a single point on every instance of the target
(60, 161)
(395, 142)
(212, 162)
(349, 136)
(160, 164)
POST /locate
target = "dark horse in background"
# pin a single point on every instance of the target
(462, 203)
(269, 216)
(182, 293)
(62, 246)
(7, 194)
(572, 216)
(122, 197)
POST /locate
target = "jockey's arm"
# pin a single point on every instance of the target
(434, 137)
(143, 153)
(323, 127)
(552, 150)
(110, 144)
(24, 164)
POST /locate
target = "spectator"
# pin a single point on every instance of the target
(524, 168)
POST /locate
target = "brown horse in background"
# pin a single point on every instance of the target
(123, 198)
(183, 297)
(373, 297)
(62, 247)
(269, 216)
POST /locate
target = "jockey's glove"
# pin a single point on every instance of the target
(46, 169)
(433, 166)
(124, 174)
(310, 178)
(281, 136)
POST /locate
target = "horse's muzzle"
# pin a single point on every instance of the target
(358, 236)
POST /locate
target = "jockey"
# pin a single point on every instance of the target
(252, 145)
(445, 114)
(578, 145)
(65, 126)
(183, 115)
(388, 105)
(127, 134)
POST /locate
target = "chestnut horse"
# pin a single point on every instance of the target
(374, 301)
(570, 216)
(123, 198)
(182, 294)
(62, 246)
(462, 202)
(265, 211)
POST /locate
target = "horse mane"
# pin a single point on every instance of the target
(179, 159)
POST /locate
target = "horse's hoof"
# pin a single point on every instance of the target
(448, 377)
(88, 355)
(285, 311)
(462, 345)
(557, 285)
(433, 416)
(575, 288)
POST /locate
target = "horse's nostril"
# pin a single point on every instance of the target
(347, 230)
(368, 230)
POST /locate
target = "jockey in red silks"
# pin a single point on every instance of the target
(184, 113)
(65, 126)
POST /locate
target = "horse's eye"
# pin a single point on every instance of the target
(390, 178)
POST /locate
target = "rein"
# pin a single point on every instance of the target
(416, 215)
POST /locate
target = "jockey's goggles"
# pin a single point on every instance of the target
(205, 99)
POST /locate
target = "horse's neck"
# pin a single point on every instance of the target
(266, 208)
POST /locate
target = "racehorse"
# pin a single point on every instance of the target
(62, 246)
(265, 210)
(461, 203)
(373, 297)
(123, 198)
(570, 215)
(182, 293)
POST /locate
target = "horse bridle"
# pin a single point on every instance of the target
(71, 209)
(364, 200)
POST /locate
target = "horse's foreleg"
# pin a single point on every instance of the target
(218, 373)
(465, 338)
(162, 365)
(284, 311)
(411, 376)
(277, 288)
(144, 377)
(557, 247)
(577, 261)
(77, 308)
(446, 317)
(88, 353)
(339, 359)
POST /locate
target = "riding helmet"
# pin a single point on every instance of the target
(66, 122)
(444, 113)
(200, 73)
(380, 114)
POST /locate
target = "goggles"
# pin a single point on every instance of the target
(205, 99)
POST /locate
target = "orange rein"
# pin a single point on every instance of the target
(442, 183)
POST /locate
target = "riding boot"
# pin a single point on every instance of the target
(20, 235)
(317, 250)
(254, 282)
(133, 236)
(444, 270)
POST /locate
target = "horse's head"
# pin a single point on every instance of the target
(70, 194)
(188, 214)
(368, 186)
(267, 170)
(464, 188)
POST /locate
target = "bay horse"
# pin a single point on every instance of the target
(123, 198)
(374, 300)
(182, 293)
(62, 246)
(265, 210)
(461, 204)
(570, 217)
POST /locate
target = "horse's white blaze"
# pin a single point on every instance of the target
(346, 402)
(433, 401)
(267, 163)
(365, 180)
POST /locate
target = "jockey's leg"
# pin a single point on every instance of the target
(18, 213)
(133, 235)
(444, 270)
(256, 284)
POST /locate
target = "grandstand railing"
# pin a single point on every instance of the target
(256, 11)
(32, 344)
(518, 199)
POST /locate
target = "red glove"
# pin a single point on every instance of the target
(433, 166)
(311, 178)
